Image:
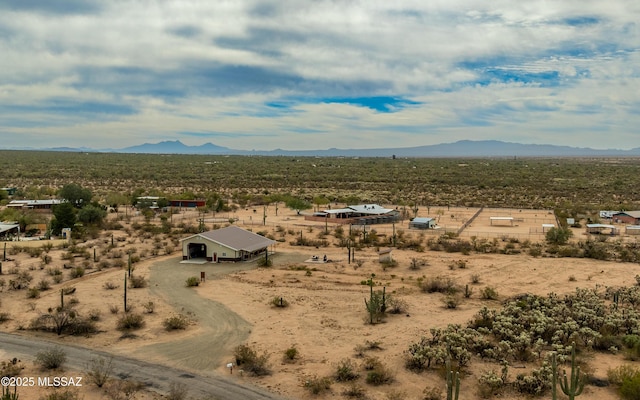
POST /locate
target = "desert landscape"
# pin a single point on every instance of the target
(305, 324)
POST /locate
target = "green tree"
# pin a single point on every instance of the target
(64, 216)
(91, 215)
(75, 194)
(558, 235)
(114, 199)
(297, 204)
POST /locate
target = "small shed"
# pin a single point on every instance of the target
(632, 229)
(422, 223)
(384, 255)
(226, 244)
(546, 227)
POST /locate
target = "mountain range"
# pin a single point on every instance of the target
(462, 148)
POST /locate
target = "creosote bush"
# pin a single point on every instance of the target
(250, 361)
(489, 293)
(317, 385)
(291, 354)
(175, 322)
(192, 281)
(279, 302)
(346, 371)
(52, 358)
(99, 370)
(137, 282)
(130, 321)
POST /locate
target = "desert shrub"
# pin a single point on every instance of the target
(396, 305)
(57, 278)
(61, 394)
(175, 322)
(82, 326)
(33, 293)
(388, 264)
(489, 293)
(52, 358)
(177, 391)
(251, 361)
(279, 302)
(291, 354)
(76, 272)
(439, 284)
(99, 370)
(137, 282)
(110, 286)
(11, 368)
(346, 371)
(192, 281)
(44, 285)
(21, 281)
(627, 379)
(354, 391)
(129, 322)
(122, 389)
(451, 301)
(371, 363)
(94, 314)
(432, 393)
(380, 375)
(149, 307)
(114, 309)
(265, 262)
(316, 385)
(4, 317)
(54, 271)
(416, 263)
(475, 279)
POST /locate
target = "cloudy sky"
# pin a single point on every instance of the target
(252, 74)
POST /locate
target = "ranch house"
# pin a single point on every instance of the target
(627, 217)
(364, 214)
(226, 244)
(36, 205)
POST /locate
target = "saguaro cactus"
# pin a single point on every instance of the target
(572, 387)
(7, 395)
(453, 383)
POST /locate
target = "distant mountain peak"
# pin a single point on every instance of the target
(461, 148)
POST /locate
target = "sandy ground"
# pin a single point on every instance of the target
(326, 317)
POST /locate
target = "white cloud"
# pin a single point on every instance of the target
(545, 72)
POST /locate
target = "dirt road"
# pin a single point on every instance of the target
(220, 329)
(156, 377)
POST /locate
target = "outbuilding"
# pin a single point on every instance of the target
(226, 244)
(422, 223)
(627, 217)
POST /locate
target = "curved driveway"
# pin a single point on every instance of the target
(196, 357)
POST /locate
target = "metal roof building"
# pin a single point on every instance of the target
(226, 244)
(422, 223)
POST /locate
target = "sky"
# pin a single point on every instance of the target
(303, 75)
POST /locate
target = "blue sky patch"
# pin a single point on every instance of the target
(384, 104)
